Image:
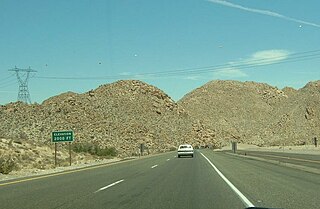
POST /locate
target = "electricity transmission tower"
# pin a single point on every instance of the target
(23, 78)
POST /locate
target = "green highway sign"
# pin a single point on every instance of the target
(62, 136)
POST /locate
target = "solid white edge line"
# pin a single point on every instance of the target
(110, 185)
(242, 197)
(154, 166)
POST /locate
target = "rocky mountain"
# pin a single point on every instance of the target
(116, 118)
(256, 113)
(121, 115)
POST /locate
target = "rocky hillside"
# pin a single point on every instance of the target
(116, 118)
(31, 156)
(113, 119)
(120, 115)
(255, 112)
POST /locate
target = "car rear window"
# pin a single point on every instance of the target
(185, 146)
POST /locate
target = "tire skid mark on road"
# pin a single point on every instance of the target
(242, 197)
(110, 185)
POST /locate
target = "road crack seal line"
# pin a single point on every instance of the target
(242, 197)
(108, 186)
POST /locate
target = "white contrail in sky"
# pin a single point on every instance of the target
(263, 12)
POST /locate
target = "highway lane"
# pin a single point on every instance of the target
(165, 181)
(179, 183)
(173, 183)
(312, 161)
(52, 192)
(268, 184)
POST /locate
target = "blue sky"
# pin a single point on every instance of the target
(78, 45)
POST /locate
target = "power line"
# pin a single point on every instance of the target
(7, 91)
(6, 78)
(6, 84)
(251, 65)
(295, 57)
(8, 81)
(241, 65)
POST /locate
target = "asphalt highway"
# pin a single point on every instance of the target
(307, 160)
(214, 180)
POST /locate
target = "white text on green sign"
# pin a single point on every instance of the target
(62, 136)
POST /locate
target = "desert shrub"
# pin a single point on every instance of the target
(216, 146)
(6, 165)
(94, 149)
(17, 141)
(2, 135)
(82, 147)
(172, 148)
(134, 154)
(26, 157)
(23, 135)
(108, 151)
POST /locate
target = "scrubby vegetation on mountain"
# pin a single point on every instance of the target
(114, 119)
(257, 113)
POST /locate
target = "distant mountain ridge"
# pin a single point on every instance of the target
(128, 113)
(121, 115)
(257, 113)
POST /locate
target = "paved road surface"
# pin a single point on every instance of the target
(312, 161)
(165, 181)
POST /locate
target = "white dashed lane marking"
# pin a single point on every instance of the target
(110, 185)
(154, 166)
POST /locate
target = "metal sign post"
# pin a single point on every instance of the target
(234, 147)
(61, 136)
(70, 153)
(55, 154)
(141, 149)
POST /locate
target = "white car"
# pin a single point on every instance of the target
(185, 150)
